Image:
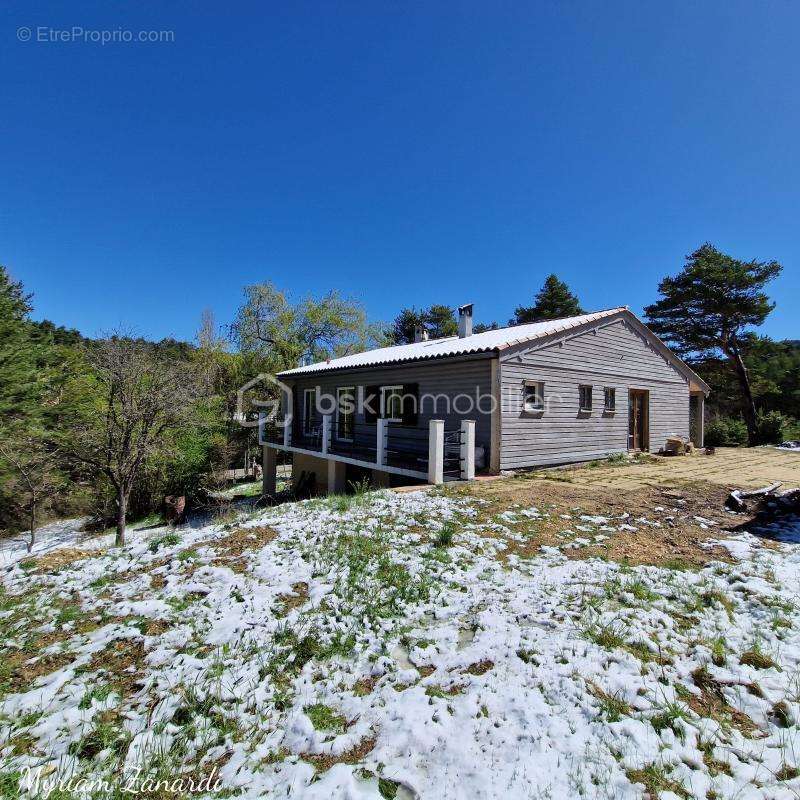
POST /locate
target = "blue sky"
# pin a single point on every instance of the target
(405, 154)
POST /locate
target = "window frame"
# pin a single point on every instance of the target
(309, 409)
(351, 392)
(585, 388)
(385, 390)
(612, 392)
(538, 387)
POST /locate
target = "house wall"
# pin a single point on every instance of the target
(612, 354)
(439, 383)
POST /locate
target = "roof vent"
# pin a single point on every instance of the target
(420, 334)
(465, 321)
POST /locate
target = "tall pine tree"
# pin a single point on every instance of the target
(20, 380)
(707, 309)
(554, 301)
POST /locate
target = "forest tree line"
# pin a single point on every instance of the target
(108, 427)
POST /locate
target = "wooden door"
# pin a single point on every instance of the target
(638, 420)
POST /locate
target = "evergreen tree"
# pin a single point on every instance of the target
(20, 382)
(554, 301)
(707, 308)
(438, 320)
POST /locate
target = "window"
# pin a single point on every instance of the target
(533, 396)
(585, 398)
(309, 409)
(345, 412)
(610, 398)
(392, 403)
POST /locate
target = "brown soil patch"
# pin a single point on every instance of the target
(323, 762)
(712, 703)
(298, 597)
(20, 668)
(480, 668)
(64, 556)
(122, 663)
(366, 686)
(677, 542)
(230, 549)
(426, 670)
(23, 670)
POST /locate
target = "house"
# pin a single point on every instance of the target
(546, 393)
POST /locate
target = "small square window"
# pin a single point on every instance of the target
(610, 398)
(533, 396)
(585, 398)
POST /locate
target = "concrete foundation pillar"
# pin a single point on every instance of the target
(337, 482)
(381, 479)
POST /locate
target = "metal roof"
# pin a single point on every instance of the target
(454, 345)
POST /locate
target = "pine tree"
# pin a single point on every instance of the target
(708, 307)
(554, 301)
(438, 320)
(20, 380)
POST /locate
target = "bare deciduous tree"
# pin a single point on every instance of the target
(141, 398)
(35, 479)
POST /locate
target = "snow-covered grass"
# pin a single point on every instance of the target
(400, 645)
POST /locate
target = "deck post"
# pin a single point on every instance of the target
(467, 449)
(269, 475)
(382, 435)
(262, 427)
(326, 433)
(436, 451)
(288, 416)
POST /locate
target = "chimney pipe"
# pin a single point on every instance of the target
(420, 334)
(465, 321)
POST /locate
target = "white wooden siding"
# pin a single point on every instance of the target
(609, 355)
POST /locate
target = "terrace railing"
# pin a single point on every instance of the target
(433, 451)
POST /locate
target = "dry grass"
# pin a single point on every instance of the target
(355, 755)
(121, 662)
(677, 543)
(231, 548)
(62, 557)
(298, 597)
(479, 668)
(712, 703)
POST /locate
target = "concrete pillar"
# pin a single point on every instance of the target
(381, 479)
(326, 433)
(337, 482)
(381, 440)
(467, 449)
(436, 451)
(269, 475)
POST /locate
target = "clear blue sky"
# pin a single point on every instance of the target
(404, 153)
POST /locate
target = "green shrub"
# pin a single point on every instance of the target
(726, 432)
(772, 427)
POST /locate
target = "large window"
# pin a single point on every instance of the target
(585, 398)
(345, 412)
(392, 403)
(309, 409)
(610, 396)
(533, 396)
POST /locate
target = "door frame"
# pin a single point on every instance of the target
(644, 445)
